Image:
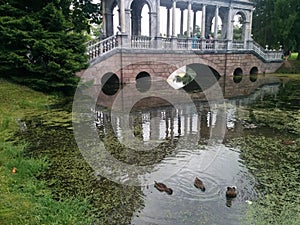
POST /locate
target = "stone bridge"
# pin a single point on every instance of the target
(128, 55)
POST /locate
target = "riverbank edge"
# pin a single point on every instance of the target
(25, 199)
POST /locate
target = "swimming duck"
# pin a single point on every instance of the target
(162, 187)
(231, 192)
(199, 184)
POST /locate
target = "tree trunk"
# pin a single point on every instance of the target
(298, 57)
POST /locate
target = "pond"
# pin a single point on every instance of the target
(249, 140)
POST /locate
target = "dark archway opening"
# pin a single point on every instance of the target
(253, 74)
(110, 83)
(201, 77)
(237, 75)
(143, 81)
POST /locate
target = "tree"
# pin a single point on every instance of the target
(262, 21)
(277, 22)
(237, 33)
(43, 43)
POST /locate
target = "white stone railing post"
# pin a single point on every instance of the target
(174, 43)
(190, 43)
(203, 44)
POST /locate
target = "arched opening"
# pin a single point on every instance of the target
(140, 15)
(253, 74)
(110, 83)
(143, 81)
(111, 17)
(145, 21)
(254, 70)
(219, 27)
(237, 75)
(239, 26)
(116, 19)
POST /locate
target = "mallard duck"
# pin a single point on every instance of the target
(231, 192)
(162, 187)
(199, 184)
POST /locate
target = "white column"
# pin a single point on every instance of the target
(203, 21)
(173, 18)
(122, 16)
(152, 24)
(216, 22)
(229, 25)
(189, 19)
(109, 24)
(128, 21)
(103, 19)
(251, 18)
(158, 18)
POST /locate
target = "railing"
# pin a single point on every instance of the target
(182, 43)
(166, 43)
(222, 44)
(238, 45)
(98, 47)
(140, 42)
(269, 55)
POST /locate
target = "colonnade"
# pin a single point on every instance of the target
(130, 14)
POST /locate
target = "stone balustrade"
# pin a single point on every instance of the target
(97, 48)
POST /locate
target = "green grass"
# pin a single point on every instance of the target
(23, 198)
(293, 56)
(290, 67)
(16, 102)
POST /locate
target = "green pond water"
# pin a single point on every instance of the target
(251, 141)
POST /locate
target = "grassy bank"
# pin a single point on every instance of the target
(23, 198)
(290, 67)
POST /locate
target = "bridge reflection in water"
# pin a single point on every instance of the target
(155, 121)
(158, 119)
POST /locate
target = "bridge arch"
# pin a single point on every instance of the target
(238, 75)
(254, 70)
(204, 61)
(110, 83)
(143, 81)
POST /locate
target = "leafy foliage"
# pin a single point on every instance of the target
(277, 22)
(43, 42)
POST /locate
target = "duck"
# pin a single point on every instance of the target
(231, 192)
(162, 187)
(199, 184)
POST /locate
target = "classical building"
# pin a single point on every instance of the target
(200, 13)
(216, 33)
